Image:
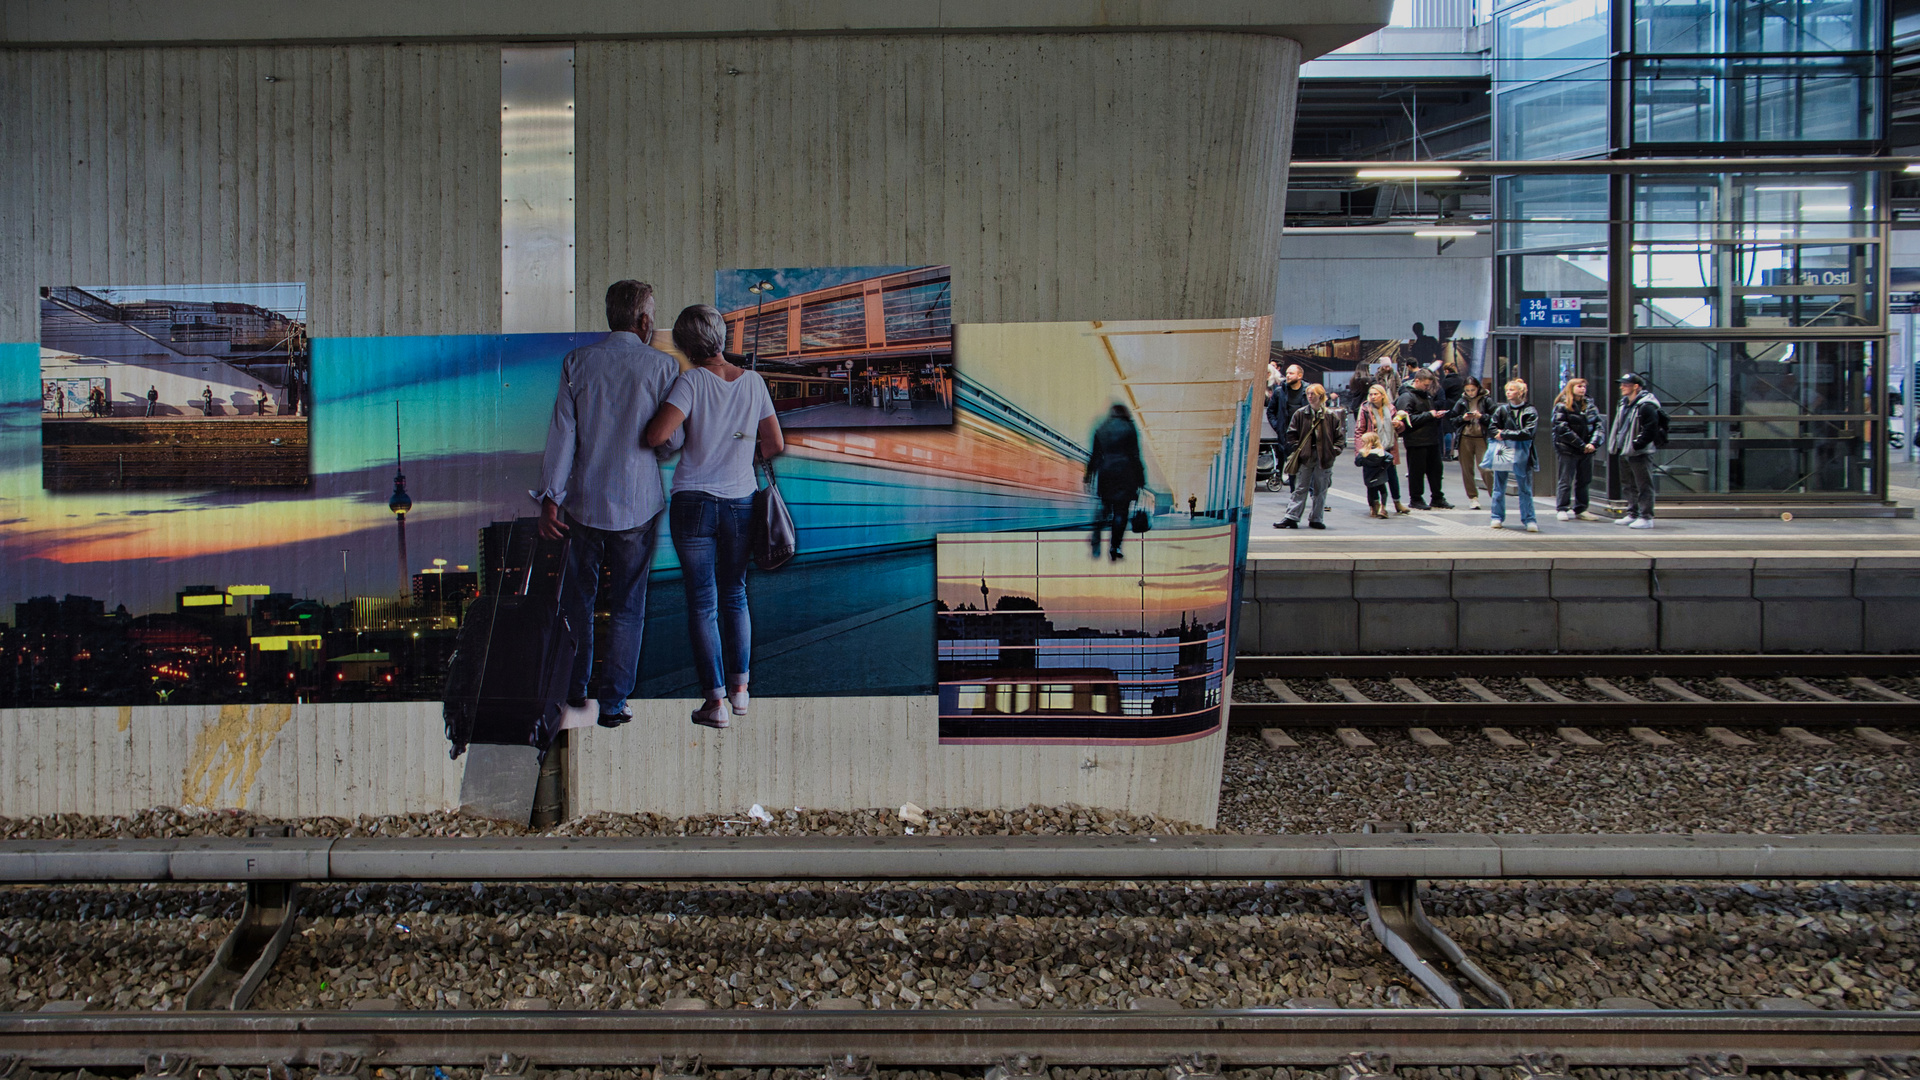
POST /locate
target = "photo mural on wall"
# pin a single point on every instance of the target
(423, 453)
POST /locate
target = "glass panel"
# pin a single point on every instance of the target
(1550, 38)
(1759, 378)
(834, 324)
(766, 334)
(1561, 275)
(1724, 457)
(1551, 211)
(919, 312)
(1723, 26)
(1736, 250)
(1777, 99)
(1562, 117)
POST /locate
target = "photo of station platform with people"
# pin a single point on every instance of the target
(174, 386)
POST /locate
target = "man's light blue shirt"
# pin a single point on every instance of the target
(596, 467)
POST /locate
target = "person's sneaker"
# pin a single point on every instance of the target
(1584, 516)
(1641, 523)
(1563, 515)
(1286, 523)
(1533, 526)
(1418, 504)
(1316, 524)
(737, 699)
(713, 714)
(1473, 504)
(1441, 504)
(1498, 524)
(1628, 520)
(615, 719)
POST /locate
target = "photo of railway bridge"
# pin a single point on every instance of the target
(847, 346)
(202, 387)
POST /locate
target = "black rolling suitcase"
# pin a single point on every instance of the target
(507, 679)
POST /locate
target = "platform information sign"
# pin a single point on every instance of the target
(1550, 311)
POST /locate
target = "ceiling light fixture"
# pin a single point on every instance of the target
(1408, 174)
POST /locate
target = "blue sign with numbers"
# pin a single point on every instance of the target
(1550, 311)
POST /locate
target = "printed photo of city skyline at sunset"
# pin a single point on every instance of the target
(1039, 642)
(174, 386)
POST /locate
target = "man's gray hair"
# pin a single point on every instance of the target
(700, 332)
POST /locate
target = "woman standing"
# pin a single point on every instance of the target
(1578, 429)
(1317, 436)
(728, 414)
(1377, 416)
(1512, 427)
(1469, 414)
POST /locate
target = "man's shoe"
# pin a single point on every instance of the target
(1641, 523)
(1628, 520)
(713, 714)
(1584, 516)
(1497, 524)
(614, 720)
(1286, 523)
(1563, 515)
(1419, 504)
(1442, 504)
(1533, 526)
(1115, 556)
(1473, 504)
(576, 703)
(1316, 524)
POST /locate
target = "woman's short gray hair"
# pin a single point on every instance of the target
(700, 332)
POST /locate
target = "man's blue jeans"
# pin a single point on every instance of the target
(710, 535)
(627, 555)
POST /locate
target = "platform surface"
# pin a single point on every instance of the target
(1463, 534)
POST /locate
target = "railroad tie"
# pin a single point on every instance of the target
(1573, 736)
(1877, 690)
(1501, 738)
(1474, 687)
(1649, 736)
(1803, 737)
(1728, 739)
(1349, 691)
(1407, 687)
(1612, 691)
(1676, 689)
(1810, 690)
(1352, 739)
(1284, 692)
(1540, 687)
(1880, 740)
(1277, 739)
(1746, 691)
(1428, 738)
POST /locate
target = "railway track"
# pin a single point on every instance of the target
(1798, 692)
(1193, 1045)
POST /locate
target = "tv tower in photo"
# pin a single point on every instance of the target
(400, 502)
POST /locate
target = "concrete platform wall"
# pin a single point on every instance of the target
(1588, 603)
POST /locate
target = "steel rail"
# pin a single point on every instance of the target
(930, 1038)
(1316, 857)
(1247, 716)
(1560, 665)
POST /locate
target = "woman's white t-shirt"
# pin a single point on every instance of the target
(723, 427)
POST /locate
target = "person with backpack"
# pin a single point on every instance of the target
(1578, 431)
(1639, 428)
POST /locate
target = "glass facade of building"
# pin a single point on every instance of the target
(1754, 301)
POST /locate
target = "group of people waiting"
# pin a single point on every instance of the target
(624, 407)
(1495, 441)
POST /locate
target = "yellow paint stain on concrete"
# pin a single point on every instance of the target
(227, 754)
(126, 719)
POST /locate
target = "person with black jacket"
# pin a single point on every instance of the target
(1116, 472)
(1511, 428)
(1630, 442)
(1318, 434)
(1284, 398)
(1424, 421)
(1578, 431)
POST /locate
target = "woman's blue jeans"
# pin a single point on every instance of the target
(1523, 482)
(710, 535)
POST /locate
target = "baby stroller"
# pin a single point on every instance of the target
(1266, 467)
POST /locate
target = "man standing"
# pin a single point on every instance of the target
(601, 487)
(1287, 397)
(1117, 474)
(1630, 441)
(1425, 420)
(206, 401)
(153, 397)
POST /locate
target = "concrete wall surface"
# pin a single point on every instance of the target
(1807, 602)
(1381, 283)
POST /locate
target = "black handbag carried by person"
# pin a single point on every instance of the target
(1142, 521)
(770, 533)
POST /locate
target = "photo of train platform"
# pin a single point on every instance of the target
(1039, 643)
(194, 387)
(846, 346)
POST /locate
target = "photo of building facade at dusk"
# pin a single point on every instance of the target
(198, 386)
(846, 346)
